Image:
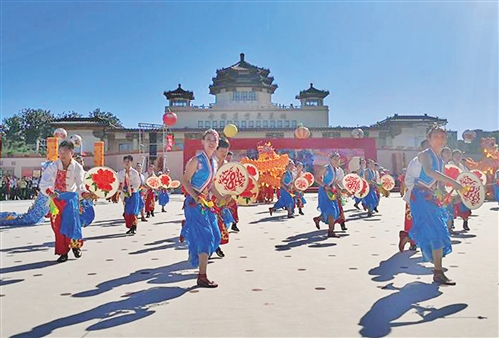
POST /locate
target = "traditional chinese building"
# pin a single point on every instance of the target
(243, 96)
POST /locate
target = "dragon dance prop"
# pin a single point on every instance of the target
(270, 166)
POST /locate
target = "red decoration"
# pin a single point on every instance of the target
(169, 142)
(102, 180)
(169, 118)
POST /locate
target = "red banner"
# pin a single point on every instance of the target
(169, 142)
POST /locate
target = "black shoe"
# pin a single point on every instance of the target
(219, 252)
(369, 213)
(376, 209)
(291, 216)
(129, 232)
(143, 219)
(62, 258)
(271, 210)
(163, 210)
(152, 213)
(343, 227)
(301, 212)
(234, 227)
(356, 205)
(148, 215)
(77, 252)
(465, 225)
(413, 247)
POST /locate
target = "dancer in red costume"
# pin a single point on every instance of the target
(150, 197)
(62, 181)
(460, 210)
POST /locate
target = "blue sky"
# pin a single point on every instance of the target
(375, 58)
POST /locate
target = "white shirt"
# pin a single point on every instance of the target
(135, 179)
(412, 173)
(74, 177)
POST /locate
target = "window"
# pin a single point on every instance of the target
(236, 123)
(207, 124)
(265, 124)
(251, 124)
(214, 124)
(222, 124)
(312, 102)
(258, 124)
(293, 124)
(125, 147)
(200, 124)
(286, 124)
(279, 124)
(179, 103)
(229, 122)
(243, 96)
(243, 124)
(274, 135)
(272, 124)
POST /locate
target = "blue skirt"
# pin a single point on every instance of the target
(285, 201)
(34, 215)
(429, 230)
(163, 198)
(200, 230)
(227, 217)
(87, 213)
(133, 204)
(70, 216)
(300, 196)
(328, 207)
(496, 191)
(371, 200)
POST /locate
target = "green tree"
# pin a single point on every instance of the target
(113, 120)
(69, 115)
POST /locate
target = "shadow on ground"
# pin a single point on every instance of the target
(312, 239)
(379, 320)
(399, 263)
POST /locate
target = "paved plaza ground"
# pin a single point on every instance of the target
(280, 278)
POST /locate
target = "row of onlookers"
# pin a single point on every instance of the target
(14, 188)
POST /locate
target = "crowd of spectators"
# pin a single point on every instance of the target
(14, 188)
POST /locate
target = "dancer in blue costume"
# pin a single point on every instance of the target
(496, 185)
(200, 229)
(360, 172)
(299, 195)
(164, 194)
(371, 200)
(286, 200)
(429, 230)
(329, 194)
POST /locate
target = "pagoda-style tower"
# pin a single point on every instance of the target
(312, 97)
(179, 97)
(243, 82)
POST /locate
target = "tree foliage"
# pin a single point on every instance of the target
(113, 120)
(69, 115)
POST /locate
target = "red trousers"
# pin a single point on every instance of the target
(149, 202)
(62, 243)
(233, 210)
(341, 218)
(408, 221)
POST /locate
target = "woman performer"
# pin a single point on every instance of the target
(329, 196)
(371, 200)
(163, 195)
(460, 210)
(62, 181)
(429, 230)
(360, 172)
(200, 229)
(285, 198)
(224, 215)
(300, 200)
(150, 195)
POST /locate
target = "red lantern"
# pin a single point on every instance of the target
(302, 132)
(169, 118)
